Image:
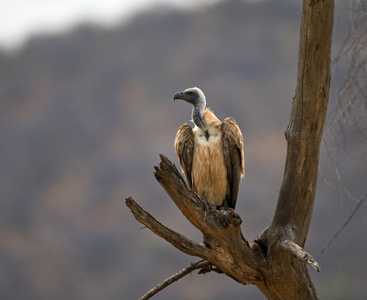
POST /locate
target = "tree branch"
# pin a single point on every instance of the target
(199, 212)
(177, 240)
(224, 245)
(299, 253)
(193, 208)
(192, 267)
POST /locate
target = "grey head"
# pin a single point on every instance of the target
(196, 97)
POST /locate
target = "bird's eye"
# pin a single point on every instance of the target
(190, 93)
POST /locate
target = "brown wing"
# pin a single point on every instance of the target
(184, 146)
(233, 157)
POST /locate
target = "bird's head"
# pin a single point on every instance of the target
(194, 95)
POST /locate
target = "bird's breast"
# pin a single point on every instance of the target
(209, 173)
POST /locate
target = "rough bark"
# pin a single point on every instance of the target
(275, 262)
(293, 213)
(304, 132)
(224, 245)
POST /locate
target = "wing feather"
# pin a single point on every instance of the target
(234, 157)
(184, 146)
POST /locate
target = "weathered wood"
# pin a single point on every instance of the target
(225, 245)
(291, 221)
(176, 239)
(304, 132)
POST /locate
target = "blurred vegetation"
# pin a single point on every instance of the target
(83, 117)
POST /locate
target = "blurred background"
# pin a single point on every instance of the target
(86, 106)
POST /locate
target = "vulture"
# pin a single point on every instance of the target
(210, 154)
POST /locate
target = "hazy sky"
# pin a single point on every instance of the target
(21, 18)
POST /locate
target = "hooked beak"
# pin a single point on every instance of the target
(178, 95)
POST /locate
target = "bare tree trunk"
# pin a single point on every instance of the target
(275, 262)
(293, 214)
(304, 132)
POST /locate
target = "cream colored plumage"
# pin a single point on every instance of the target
(210, 155)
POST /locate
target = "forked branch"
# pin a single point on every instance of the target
(224, 246)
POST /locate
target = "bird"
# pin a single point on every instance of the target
(211, 154)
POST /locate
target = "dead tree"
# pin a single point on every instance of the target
(275, 262)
